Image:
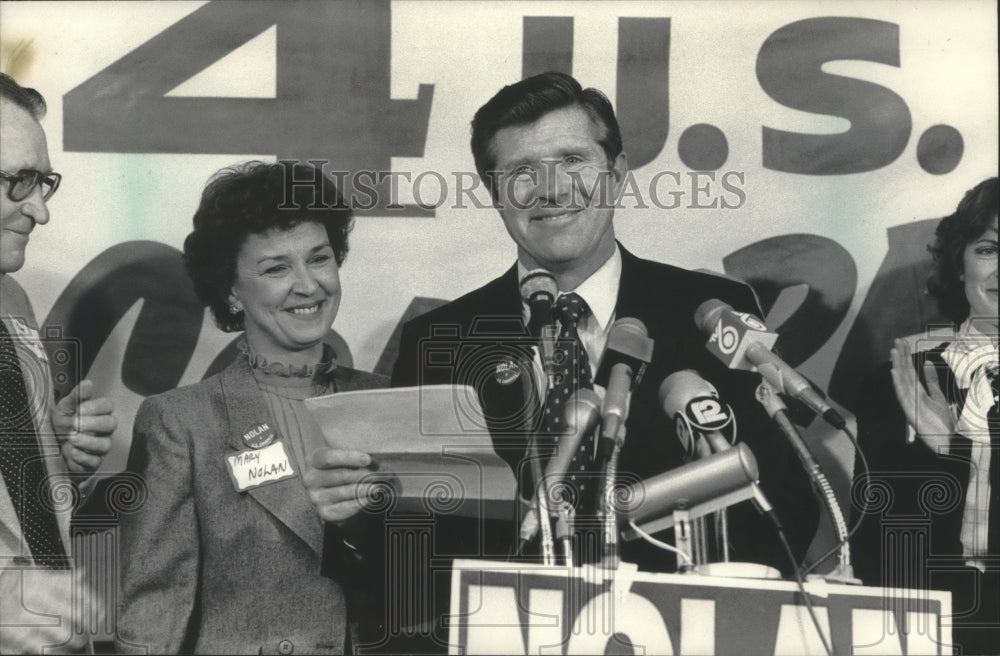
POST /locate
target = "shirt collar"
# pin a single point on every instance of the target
(970, 351)
(969, 357)
(599, 291)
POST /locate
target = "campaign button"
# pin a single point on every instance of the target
(259, 436)
(507, 372)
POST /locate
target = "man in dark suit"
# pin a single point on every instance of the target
(551, 154)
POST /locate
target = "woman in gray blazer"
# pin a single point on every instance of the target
(225, 555)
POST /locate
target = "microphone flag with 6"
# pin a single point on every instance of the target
(741, 341)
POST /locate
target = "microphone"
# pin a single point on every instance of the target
(580, 415)
(623, 363)
(700, 487)
(693, 404)
(539, 290)
(742, 341)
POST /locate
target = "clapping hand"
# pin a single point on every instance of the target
(926, 410)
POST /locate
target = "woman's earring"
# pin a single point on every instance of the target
(235, 308)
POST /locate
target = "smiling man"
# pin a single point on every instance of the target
(547, 178)
(39, 441)
(551, 153)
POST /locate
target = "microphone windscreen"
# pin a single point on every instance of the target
(708, 314)
(538, 281)
(627, 343)
(680, 387)
(628, 336)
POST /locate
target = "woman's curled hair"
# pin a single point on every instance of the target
(253, 198)
(974, 215)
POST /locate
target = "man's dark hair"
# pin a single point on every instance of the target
(251, 199)
(530, 99)
(974, 215)
(26, 98)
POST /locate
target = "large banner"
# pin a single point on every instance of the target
(805, 147)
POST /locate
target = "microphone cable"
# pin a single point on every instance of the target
(661, 545)
(866, 502)
(770, 399)
(799, 578)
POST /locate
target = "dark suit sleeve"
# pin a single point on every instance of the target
(743, 299)
(410, 369)
(354, 555)
(159, 542)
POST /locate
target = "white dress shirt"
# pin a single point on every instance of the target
(600, 292)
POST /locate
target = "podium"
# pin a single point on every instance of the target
(517, 608)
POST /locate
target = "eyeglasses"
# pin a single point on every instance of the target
(24, 182)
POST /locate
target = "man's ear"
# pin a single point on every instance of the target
(617, 175)
(619, 169)
(491, 179)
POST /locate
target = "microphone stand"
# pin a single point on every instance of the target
(547, 336)
(542, 507)
(776, 408)
(538, 290)
(611, 557)
(546, 351)
(683, 539)
(540, 501)
(561, 513)
(722, 533)
(717, 444)
(564, 533)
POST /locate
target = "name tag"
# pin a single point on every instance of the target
(250, 469)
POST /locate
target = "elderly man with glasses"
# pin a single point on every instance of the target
(41, 442)
(25, 181)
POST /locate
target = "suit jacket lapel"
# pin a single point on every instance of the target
(629, 302)
(635, 296)
(511, 404)
(8, 515)
(286, 499)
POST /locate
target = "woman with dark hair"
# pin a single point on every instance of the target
(225, 555)
(928, 424)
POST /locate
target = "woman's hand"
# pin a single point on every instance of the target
(927, 409)
(333, 482)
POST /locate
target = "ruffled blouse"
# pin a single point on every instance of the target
(285, 387)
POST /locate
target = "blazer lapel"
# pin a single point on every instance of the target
(286, 499)
(635, 296)
(508, 391)
(8, 516)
